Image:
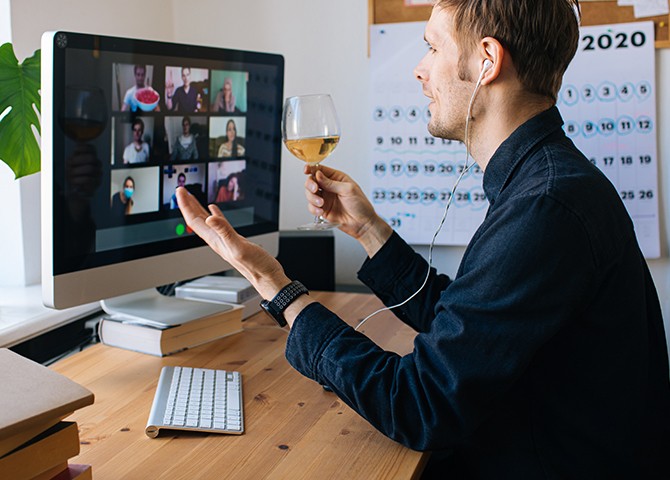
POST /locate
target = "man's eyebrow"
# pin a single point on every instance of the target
(430, 39)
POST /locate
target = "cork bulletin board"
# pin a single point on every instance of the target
(593, 13)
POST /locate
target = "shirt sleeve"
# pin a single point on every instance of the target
(128, 97)
(488, 324)
(127, 154)
(395, 273)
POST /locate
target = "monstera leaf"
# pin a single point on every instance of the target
(19, 100)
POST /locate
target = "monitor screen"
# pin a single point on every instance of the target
(126, 121)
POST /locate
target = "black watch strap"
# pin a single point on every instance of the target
(275, 307)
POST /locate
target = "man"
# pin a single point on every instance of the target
(181, 182)
(136, 151)
(129, 102)
(545, 356)
(185, 98)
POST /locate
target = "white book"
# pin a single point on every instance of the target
(161, 340)
(219, 289)
(150, 308)
(250, 306)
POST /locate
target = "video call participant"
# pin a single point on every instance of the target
(545, 356)
(229, 190)
(129, 102)
(181, 181)
(122, 202)
(138, 150)
(233, 146)
(184, 147)
(185, 98)
(225, 101)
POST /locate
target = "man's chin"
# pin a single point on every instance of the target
(439, 131)
(436, 131)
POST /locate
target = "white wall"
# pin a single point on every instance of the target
(5, 22)
(30, 18)
(325, 46)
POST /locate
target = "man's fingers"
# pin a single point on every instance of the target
(219, 223)
(189, 205)
(327, 171)
(195, 215)
(215, 210)
(330, 185)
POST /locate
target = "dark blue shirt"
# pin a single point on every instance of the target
(545, 356)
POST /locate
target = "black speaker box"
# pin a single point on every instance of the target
(309, 256)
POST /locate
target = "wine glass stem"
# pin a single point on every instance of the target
(313, 168)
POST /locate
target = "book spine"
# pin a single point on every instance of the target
(46, 452)
(162, 342)
(131, 337)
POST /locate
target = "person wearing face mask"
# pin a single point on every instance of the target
(122, 202)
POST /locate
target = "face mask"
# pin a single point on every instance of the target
(128, 192)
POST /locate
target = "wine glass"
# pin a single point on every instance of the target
(84, 114)
(83, 117)
(311, 131)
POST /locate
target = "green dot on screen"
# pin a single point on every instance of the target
(180, 229)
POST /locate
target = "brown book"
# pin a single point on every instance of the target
(33, 399)
(48, 451)
(131, 335)
(75, 471)
(10, 442)
(52, 472)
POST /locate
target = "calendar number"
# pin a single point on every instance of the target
(606, 41)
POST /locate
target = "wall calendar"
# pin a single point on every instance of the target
(608, 102)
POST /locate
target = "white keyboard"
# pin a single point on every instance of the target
(197, 399)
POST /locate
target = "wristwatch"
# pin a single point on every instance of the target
(275, 307)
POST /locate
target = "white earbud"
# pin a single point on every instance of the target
(485, 66)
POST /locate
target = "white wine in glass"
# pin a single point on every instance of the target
(311, 131)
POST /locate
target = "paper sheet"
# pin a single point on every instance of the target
(608, 102)
(650, 8)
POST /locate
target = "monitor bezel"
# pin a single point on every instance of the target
(62, 290)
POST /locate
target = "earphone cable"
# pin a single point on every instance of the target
(466, 168)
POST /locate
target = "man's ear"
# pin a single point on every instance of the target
(492, 50)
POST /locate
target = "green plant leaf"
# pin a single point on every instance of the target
(20, 91)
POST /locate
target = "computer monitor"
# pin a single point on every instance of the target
(124, 122)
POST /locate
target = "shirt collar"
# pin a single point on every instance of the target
(514, 149)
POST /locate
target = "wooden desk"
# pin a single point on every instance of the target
(293, 428)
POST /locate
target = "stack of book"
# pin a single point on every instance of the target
(35, 442)
(213, 288)
(187, 325)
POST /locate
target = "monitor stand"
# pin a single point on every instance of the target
(149, 307)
